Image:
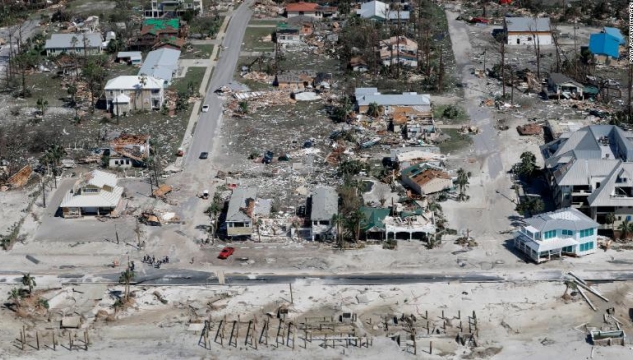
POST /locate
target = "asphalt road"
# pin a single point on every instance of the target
(28, 29)
(208, 122)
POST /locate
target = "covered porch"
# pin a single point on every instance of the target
(541, 251)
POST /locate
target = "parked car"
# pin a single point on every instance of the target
(204, 155)
(226, 252)
(205, 108)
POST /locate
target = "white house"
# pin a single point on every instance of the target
(173, 8)
(562, 232)
(382, 12)
(125, 93)
(89, 44)
(528, 31)
(96, 193)
(323, 206)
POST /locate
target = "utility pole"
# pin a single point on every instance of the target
(43, 193)
(630, 86)
(485, 62)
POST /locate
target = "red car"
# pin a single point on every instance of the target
(226, 252)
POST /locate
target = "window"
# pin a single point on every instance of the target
(628, 218)
(568, 232)
(586, 246)
(586, 233)
(529, 38)
(155, 91)
(568, 249)
(549, 234)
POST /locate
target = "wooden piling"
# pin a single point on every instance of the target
(428, 328)
(22, 339)
(54, 343)
(37, 340)
(70, 342)
(459, 314)
(443, 315)
(431, 348)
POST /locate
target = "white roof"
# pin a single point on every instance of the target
(65, 41)
(417, 154)
(103, 198)
(130, 54)
(100, 178)
(132, 83)
(551, 244)
(380, 10)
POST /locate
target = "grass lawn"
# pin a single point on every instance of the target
(198, 52)
(46, 86)
(194, 75)
(252, 39)
(272, 23)
(456, 142)
(252, 84)
(457, 114)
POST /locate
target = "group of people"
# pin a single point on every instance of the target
(151, 260)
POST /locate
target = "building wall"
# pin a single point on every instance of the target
(289, 39)
(412, 184)
(301, 13)
(232, 230)
(78, 50)
(529, 39)
(139, 100)
(120, 163)
(436, 185)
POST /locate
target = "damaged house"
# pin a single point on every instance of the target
(398, 50)
(95, 193)
(559, 85)
(322, 205)
(382, 12)
(244, 208)
(412, 103)
(310, 9)
(161, 64)
(173, 8)
(554, 234)
(80, 44)
(292, 34)
(426, 179)
(155, 32)
(414, 224)
(295, 79)
(129, 151)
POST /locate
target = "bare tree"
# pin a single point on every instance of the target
(537, 47)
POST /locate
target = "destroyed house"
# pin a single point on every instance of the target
(419, 104)
(95, 193)
(373, 226)
(426, 179)
(295, 79)
(322, 205)
(130, 57)
(562, 232)
(398, 50)
(173, 8)
(382, 12)
(80, 44)
(527, 31)
(292, 34)
(409, 225)
(591, 170)
(561, 85)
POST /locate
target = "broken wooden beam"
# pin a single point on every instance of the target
(577, 278)
(586, 287)
(587, 299)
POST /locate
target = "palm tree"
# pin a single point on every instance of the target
(610, 219)
(125, 278)
(625, 227)
(29, 281)
(258, 224)
(214, 209)
(53, 156)
(337, 220)
(527, 166)
(243, 107)
(374, 109)
(462, 183)
(74, 41)
(15, 296)
(353, 223)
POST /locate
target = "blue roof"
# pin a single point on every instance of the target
(615, 32)
(161, 64)
(604, 44)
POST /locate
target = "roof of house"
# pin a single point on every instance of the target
(606, 194)
(583, 171)
(161, 64)
(430, 174)
(302, 7)
(567, 219)
(417, 169)
(527, 24)
(405, 99)
(103, 198)
(296, 76)
(558, 78)
(374, 218)
(615, 32)
(590, 142)
(157, 26)
(357, 61)
(130, 54)
(378, 9)
(239, 204)
(132, 82)
(324, 203)
(604, 44)
(402, 41)
(65, 41)
(394, 152)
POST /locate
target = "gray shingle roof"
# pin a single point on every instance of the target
(582, 171)
(523, 24)
(161, 64)
(558, 78)
(238, 201)
(562, 219)
(404, 99)
(324, 203)
(64, 41)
